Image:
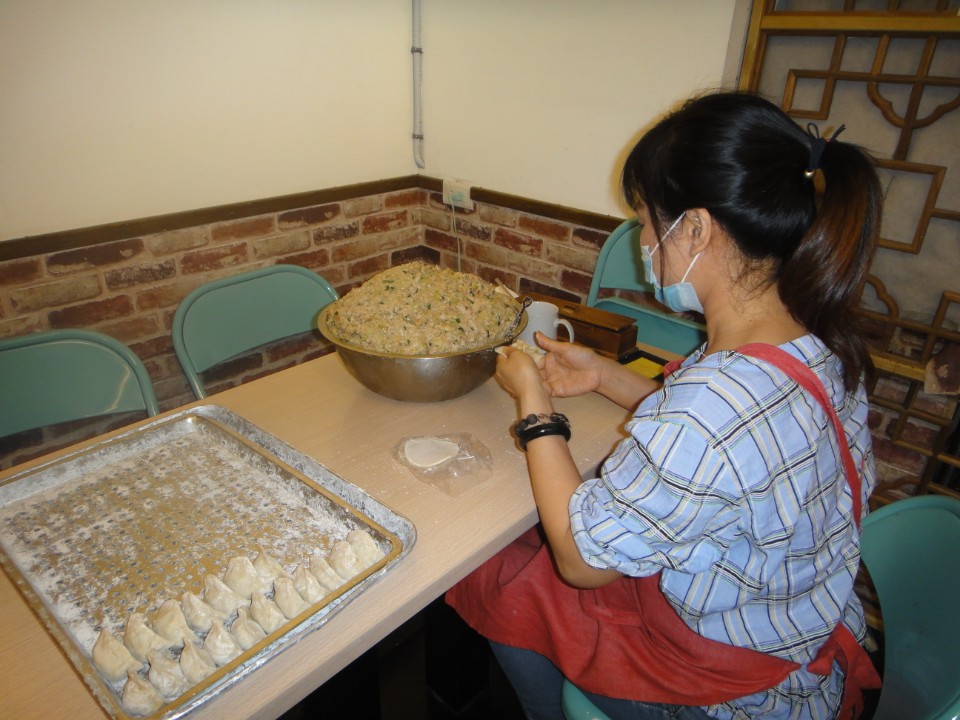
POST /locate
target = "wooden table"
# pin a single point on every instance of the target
(320, 410)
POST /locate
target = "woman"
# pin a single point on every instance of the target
(708, 571)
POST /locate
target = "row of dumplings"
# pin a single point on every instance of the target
(187, 641)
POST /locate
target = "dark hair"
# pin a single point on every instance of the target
(742, 159)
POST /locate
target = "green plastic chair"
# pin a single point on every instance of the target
(912, 550)
(226, 317)
(54, 376)
(619, 268)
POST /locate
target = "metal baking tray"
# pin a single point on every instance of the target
(123, 524)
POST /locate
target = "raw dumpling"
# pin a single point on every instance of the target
(268, 568)
(221, 598)
(139, 696)
(111, 657)
(197, 613)
(140, 639)
(245, 631)
(266, 613)
(287, 598)
(307, 585)
(242, 577)
(195, 663)
(220, 644)
(325, 574)
(170, 624)
(425, 452)
(344, 560)
(364, 547)
(165, 674)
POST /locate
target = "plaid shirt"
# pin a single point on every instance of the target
(731, 483)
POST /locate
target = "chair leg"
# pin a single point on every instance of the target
(576, 706)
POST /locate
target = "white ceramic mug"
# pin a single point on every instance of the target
(544, 317)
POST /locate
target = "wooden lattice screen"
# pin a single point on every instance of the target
(890, 71)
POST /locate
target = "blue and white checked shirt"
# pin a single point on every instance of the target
(732, 484)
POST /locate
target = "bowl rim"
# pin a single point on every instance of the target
(325, 330)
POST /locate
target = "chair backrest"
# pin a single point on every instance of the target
(619, 267)
(911, 549)
(54, 376)
(229, 316)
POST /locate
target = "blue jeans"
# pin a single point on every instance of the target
(538, 684)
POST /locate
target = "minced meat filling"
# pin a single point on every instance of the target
(422, 309)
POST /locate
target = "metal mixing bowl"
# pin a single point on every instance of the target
(419, 378)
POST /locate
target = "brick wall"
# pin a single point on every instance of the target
(130, 288)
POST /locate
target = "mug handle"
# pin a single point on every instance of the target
(567, 325)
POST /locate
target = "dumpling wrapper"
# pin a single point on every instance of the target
(287, 598)
(197, 613)
(220, 644)
(140, 697)
(268, 568)
(307, 585)
(364, 547)
(425, 452)
(242, 577)
(112, 658)
(141, 639)
(195, 663)
(266, 613)
(344, 560)
(170, 623)
(165, 674)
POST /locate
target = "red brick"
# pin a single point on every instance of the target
(518, 243)
(471, 229)
(21, 326)
(19, 272)
(887, 451)
(177, 240)
(486, 254)
(399, 257)
(576, 282)
(151, 348)
(404, 198)
(496, 215)
(132, 329)
(308, 216)
(405, 237)
(385, 221)
(368, 267)
(125, 277)
(362, 206)
(589, 238)
(92, 313)
(571, 257)
(62, 292)
(333, 233)
(94, 256)
(215, 258)
(165, 295)
(357, 249)
(439, 240)
(544, 228)
(316, 260)
(245, 228)
(280, 245)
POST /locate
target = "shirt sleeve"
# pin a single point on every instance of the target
(664, 499)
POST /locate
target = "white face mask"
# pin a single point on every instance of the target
(679, 297)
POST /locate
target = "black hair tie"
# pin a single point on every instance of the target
(817, 144)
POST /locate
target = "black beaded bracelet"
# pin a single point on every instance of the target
(533, 426)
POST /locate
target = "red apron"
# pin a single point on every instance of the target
(624, 640)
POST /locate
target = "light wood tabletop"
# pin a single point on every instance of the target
(321, 411)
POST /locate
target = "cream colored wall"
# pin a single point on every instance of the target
(116, 109)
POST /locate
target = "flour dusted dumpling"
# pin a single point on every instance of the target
(307, 585)
(195, 663)
(111, 657)
(221, 598)
(165, 674)
(170, 623)
(242, 577)
(344, 560)
(268, 568)
(266, 613)
(245, 631)
(287, 598)
(140, 697)
(364, 547)
(325, 575)
(220, 644)
(141, 639)
(197, 613)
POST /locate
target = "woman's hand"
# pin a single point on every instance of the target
(518, 373)
(569, 369)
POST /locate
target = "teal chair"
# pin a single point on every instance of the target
(55, 376)
(226, 317)
(619, 268)
(912, 550)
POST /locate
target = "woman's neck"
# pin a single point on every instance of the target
(759, 318)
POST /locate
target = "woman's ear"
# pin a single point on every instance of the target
(699, 230)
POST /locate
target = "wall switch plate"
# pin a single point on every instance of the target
(457, 193)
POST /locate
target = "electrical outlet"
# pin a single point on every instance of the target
(457, 193)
